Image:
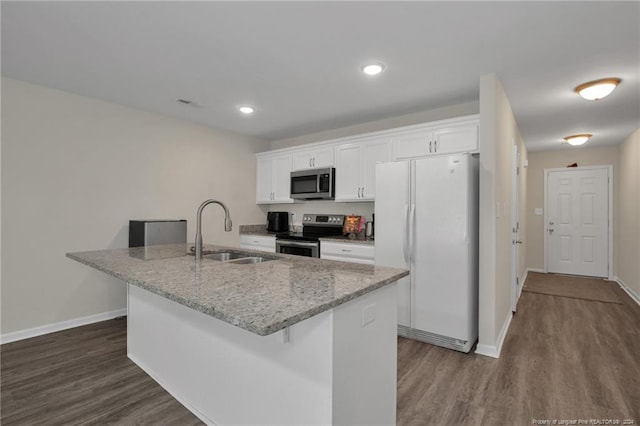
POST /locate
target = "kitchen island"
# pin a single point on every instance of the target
(292, 340)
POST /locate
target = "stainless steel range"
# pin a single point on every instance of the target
(307, 242)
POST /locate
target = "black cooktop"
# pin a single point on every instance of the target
(299, 236)
(316, 226)
(311, 233)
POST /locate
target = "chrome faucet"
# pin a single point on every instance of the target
(227, 225)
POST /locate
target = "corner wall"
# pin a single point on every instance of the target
(75, 170)
(498, 134)
(627, 243)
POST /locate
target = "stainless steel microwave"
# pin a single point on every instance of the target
(313, 184)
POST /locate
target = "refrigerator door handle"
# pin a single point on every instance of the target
(412, 228)
(406, 234)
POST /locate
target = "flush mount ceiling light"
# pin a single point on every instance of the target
(597, 89)
(373, 69)
(246, 109)
(577, 139)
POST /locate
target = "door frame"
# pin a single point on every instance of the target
(609, 169)
(516, 285)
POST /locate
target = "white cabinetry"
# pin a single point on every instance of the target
(454, 137)
(348, 252)
(258, 242)
(356, 166)
(311, 159)
(273, 178)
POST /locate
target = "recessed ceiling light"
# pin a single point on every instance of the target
(577, 139)
(372, 69)
(246, 109)
(597, 89)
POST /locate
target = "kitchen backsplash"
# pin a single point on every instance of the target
(320, 207)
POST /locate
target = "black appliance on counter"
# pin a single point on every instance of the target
(277, 221)
(307, 242)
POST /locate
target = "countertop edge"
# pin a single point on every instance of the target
(261, 331)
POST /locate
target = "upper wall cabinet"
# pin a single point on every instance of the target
(355, 157)
(273, 178)
(356, 166)
(314, 158)
(450, 138)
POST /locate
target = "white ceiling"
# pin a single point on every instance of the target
(298, 62)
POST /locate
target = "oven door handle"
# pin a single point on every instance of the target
(295, 243)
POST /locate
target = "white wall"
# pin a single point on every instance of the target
(627, 244)
(75, 170)
(498, 133)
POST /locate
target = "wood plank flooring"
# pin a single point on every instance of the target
(563, 358)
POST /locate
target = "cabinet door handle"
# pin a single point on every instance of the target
(309, 162)
(430, 143)
(346, 251)
(435, 146)
(362, 192)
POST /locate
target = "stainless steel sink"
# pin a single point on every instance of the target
(225, 256)
(238, 257)
(247, 260)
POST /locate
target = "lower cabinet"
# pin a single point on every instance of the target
(348, 252)
(258, 242)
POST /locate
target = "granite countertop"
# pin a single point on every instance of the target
(262, 298)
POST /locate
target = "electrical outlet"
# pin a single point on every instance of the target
(368, 314)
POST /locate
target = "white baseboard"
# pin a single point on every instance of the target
(523, 280)
(541, 271)
(628, 289)
(494, 350)
(59, 326)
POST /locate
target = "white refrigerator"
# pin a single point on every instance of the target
(426, 214)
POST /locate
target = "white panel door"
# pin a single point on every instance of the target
(392, 228)
(373, 153)
(456, 139)
(578, 222)
(282, 178)
(348, 166)
(264, 180)
(441, 296)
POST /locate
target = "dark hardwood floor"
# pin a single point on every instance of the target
(563, 358)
